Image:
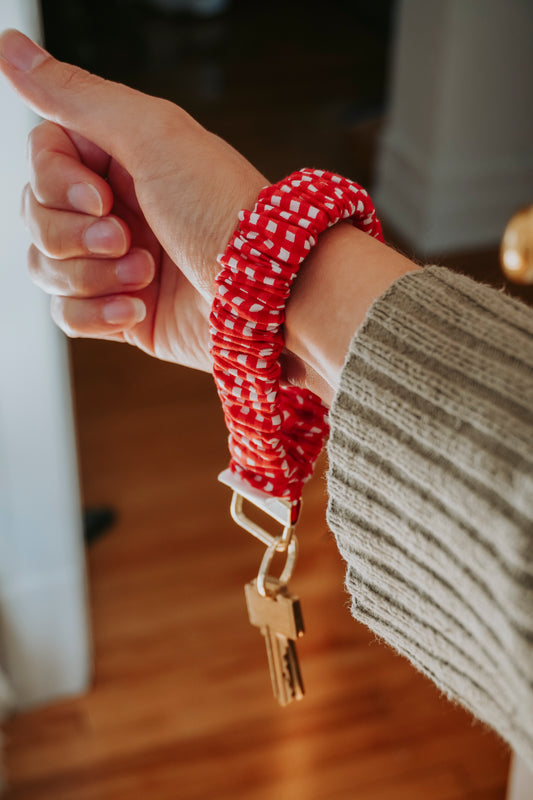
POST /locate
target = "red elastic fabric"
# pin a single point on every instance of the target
(276, 431)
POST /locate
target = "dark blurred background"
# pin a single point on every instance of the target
(286, 82)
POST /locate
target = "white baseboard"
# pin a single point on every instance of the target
(45, 644)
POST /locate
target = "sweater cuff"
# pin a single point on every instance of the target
(431, 490)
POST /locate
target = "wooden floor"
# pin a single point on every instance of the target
(181, 705)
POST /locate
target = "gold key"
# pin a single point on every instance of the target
(279, 618)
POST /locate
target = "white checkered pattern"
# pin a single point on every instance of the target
(276, 431)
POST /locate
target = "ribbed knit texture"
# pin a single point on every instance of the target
(431, 489)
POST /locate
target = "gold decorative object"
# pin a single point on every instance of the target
(516, 251)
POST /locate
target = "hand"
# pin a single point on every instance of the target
(174, 188)
(108, 275)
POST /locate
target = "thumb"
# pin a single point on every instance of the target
(98, 109)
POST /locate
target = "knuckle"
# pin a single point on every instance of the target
(24, 202)
(40, 181)
(48, 274)
(48, 177)
(80, 280)
(30, 145)
(59, 316)
(55, 238)
(46, 160)
(33, 262)
(75, 79)
(33, 144)
(50, 239)
(39, 138)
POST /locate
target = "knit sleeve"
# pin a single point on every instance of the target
(431, 489)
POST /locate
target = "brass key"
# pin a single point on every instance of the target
(279, 618)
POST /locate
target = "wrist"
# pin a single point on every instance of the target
(337, 283)
(277, 430)
(217, 236)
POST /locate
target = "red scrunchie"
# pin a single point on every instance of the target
(276, 431)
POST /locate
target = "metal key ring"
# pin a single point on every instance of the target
(263, 575)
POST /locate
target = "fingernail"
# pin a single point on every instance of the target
(85, 197)
(136, 268)
(105, 236)
(124, 310)
(21, 52)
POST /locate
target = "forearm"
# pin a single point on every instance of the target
(431, 457)
(337, 283)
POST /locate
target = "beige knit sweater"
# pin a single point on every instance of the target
(431, 489)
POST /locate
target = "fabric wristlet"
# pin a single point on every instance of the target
(276, 431)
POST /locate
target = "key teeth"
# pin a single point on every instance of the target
(287, 672)
(292, 672)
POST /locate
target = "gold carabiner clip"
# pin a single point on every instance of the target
(279, 510)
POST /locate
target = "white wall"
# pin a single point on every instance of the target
(43, 622)
(457, 156)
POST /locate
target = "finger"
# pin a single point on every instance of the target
(97, 318)
(98, 109)
(58, 177)
(90, 277)
(66, 234)
(92, 156)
